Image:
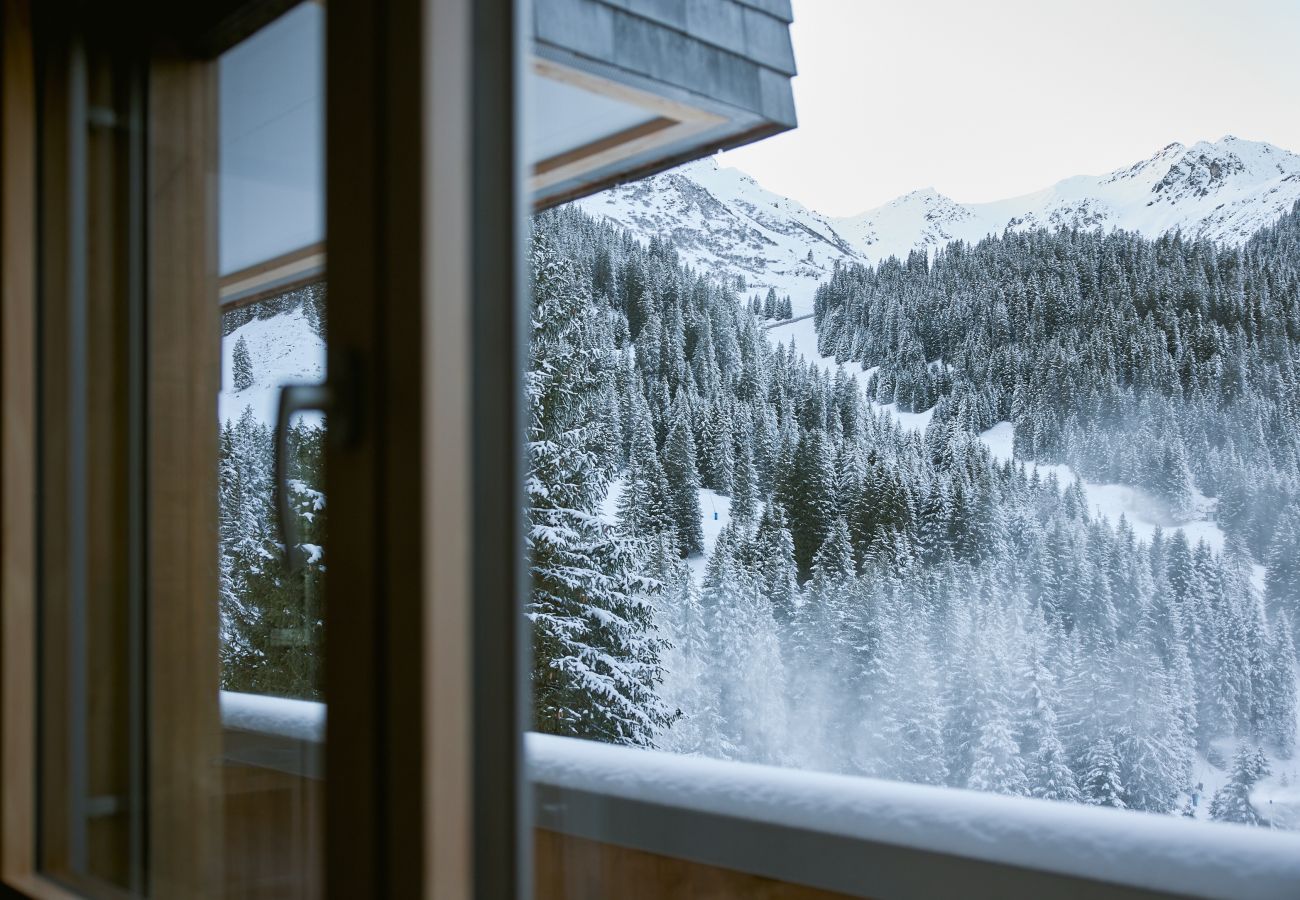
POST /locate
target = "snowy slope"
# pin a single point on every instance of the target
(1109, 501)
(723, 221)
(284, 350)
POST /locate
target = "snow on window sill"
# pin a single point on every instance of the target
(1105, 848)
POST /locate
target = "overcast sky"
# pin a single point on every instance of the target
(986, 99)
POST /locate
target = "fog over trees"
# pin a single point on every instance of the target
(881, 602)
(901, 604)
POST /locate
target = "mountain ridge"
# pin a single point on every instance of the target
(723, 221)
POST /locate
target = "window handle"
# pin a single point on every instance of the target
(294, 398)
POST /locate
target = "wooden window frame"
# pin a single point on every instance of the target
(424, 732)
(18, 457)
(273, 277)
(183, 809)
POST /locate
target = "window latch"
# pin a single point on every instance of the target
(294, 398)
(338, 398)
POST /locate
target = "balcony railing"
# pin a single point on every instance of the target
(662, 821)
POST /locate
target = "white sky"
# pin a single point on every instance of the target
(987, 99)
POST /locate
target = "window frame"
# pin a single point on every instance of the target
(181, 733)
(427, 321)
(183, 356)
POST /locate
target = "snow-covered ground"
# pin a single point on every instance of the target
(803, 334)
(1277, 797)
(1111, 501)
(715, 514)
(284, 350)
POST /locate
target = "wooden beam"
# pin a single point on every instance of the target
(273, 277)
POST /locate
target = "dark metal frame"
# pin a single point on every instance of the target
(375, 656)
(501, 700)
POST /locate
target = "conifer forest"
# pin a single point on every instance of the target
(881, 601)
(902, 604)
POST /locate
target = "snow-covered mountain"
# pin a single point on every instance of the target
(722, 220)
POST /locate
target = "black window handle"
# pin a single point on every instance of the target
(294, 398)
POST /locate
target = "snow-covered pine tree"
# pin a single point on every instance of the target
(1231, 802)
(242, 365)
(996, 764)
(687, 689)
(1100, 784)
(642, 506)
(807, 493)
(1049, 775)
(683, 480)
(596, 654)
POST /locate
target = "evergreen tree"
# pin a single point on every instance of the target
(1101, 784)
(641, 505)
(1231, 802)
(596, 656)
(808, 495)
(242, 365)
(683, 482)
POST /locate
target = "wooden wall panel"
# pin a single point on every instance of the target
(274, 835)
(573, 868)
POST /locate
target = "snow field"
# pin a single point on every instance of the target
(284, 350)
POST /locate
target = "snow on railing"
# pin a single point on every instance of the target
(300, 720)
(274, 733)
(1134, 849)
(1163, 854)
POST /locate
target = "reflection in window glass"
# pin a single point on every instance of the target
(273, 332)
(271, 618)
(272, 156)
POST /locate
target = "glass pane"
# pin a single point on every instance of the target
(271, 617)
(272, 156)
(998, 497)
(90, 738)
(273, 297)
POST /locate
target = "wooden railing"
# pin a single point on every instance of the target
(638, 824)
(273, 787)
